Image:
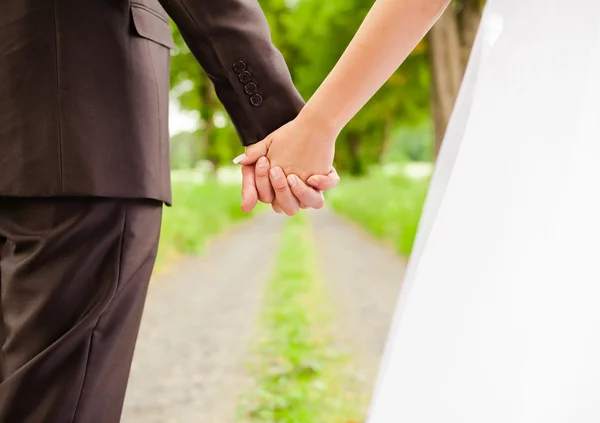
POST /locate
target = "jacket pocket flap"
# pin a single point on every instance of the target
(151, 25)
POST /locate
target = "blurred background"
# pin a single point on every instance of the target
(265, 318)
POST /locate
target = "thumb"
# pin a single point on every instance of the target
(253, 153)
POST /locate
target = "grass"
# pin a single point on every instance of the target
(300, 377)
(200, 211)
(389, 207)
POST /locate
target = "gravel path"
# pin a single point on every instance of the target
(364, 279)
(189, 361)
(189, 365)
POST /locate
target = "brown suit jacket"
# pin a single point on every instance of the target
(84, 88)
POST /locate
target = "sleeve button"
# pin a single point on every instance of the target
(256, 100)
(239, 67)
(245, 77)
(251, 88)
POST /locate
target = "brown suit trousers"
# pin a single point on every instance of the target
(74, 275)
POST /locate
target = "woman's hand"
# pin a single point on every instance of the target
(290, 167)
(302, 147)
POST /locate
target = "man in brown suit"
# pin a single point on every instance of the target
(84, 172)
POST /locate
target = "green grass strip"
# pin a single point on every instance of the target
(389, 207)
(300, 377)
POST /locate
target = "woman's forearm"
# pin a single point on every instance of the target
(389, 33)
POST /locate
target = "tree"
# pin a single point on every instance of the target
(450, 41)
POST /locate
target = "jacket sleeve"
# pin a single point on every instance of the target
(232, 42)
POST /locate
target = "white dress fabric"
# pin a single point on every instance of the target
(498, 320)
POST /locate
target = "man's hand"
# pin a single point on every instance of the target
(286, 195)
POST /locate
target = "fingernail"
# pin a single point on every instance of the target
(313, 182)
(292, 180)
(262, 162)
(239, 158)
(274, 173)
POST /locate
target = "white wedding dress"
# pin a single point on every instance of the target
(498, 320)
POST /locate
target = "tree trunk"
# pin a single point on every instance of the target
(356, 163)
(470, 16)
(387, 140)
(446, 62)
(450, 41)
(207, 106)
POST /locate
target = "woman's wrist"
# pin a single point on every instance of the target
(320, 121)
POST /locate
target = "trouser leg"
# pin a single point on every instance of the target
(74, 279)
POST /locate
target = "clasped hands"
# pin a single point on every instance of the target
(290, 168)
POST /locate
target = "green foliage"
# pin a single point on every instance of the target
(300, 377)
(200, 212)
(225, 145)
(411, 143)
(389, 207)
(182, 148)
